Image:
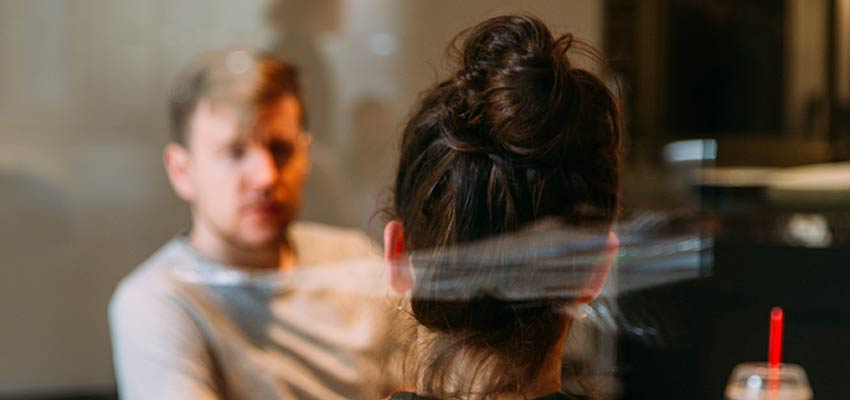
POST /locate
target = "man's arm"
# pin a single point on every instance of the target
(158, 349)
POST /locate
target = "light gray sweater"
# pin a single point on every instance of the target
(184, 327)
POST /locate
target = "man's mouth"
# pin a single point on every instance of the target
(265, 209)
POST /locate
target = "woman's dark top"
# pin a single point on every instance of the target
(553, 396)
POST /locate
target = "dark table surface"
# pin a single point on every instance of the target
(704, 327)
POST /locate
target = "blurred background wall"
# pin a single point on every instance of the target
(83, 196)
(84, 199)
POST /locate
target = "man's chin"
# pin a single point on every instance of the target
(263, 240)
(262, 233)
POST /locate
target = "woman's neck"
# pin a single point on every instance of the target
(465, 371)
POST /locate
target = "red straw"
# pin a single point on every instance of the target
(774, 351)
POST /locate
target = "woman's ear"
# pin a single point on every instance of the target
(398, 267)
(600, 270)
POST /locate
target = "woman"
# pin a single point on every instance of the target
(518, 135)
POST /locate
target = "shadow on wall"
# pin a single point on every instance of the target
(353, 140)
(370, 156)
(35, 226)
(297, 27)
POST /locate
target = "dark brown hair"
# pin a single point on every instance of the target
(517, 134)
(241, 76)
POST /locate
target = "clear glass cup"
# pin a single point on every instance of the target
(758, 381)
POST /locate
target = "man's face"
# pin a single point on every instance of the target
(245, 183)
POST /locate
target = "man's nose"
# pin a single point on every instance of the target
(264, 169)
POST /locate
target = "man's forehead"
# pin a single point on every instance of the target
(283, 113)
(278, 120)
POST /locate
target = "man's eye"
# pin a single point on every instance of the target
(281, 151)
(236, 151)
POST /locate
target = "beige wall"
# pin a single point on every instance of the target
(842, 50)
(82, 124)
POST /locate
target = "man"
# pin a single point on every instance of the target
(217, 313)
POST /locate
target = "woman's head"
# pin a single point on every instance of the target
(518, 134)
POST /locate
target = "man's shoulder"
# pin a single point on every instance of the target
(160, 340)
(320, 231)
(318, 243)
(152, 282)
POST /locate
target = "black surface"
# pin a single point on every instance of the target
(707, 326)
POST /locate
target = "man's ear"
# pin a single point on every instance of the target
(304, 146)
(398, 267)
(176, 159)
(600, 270)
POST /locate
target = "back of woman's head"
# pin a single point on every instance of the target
(519, 133)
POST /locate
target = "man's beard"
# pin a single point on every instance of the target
(234, 240)
(275, 242)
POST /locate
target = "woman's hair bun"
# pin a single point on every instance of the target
(513, 81)
(516, 135)
(507, 41)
